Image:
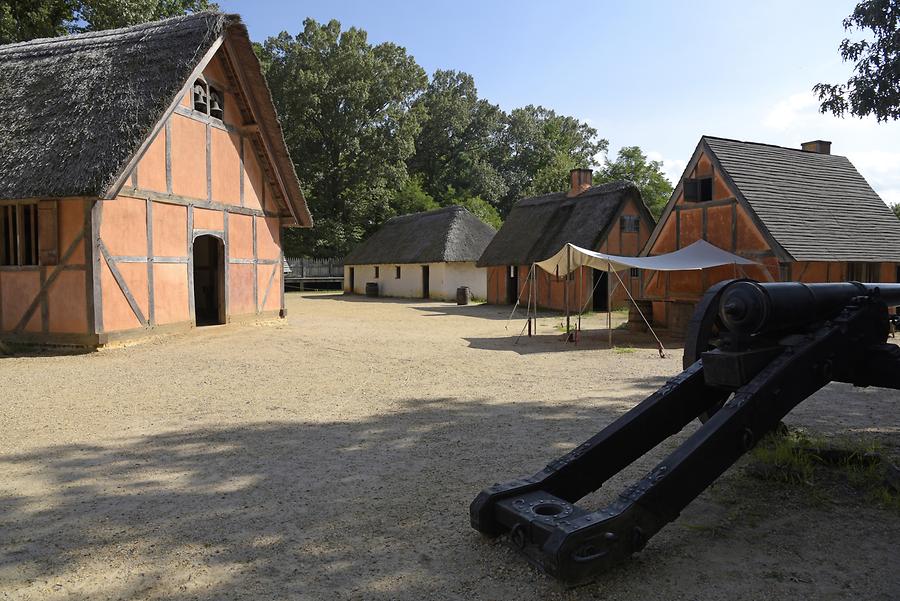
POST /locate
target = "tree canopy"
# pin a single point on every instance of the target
(874, 87)
(350, 120)
(23, 20)
(631, 164)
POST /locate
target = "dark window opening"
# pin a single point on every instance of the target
(397, 272)
(216, 103)
(856, 272)
(426, 281)
(635, 272)
(784, 272)
(376, 272)
(19, 235)
(698, 190)
(209, 281)
(201, 97)
(630, 223)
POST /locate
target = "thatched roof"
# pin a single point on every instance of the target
(450, 234)
(74, 110)
(538, 227)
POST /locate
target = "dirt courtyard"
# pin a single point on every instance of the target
(333, 455)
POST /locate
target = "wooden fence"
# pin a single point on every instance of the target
(302, 268)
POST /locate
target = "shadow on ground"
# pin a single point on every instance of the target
(366, 509)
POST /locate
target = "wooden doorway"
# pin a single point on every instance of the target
(600, 282)
(352, 278)
(426, 281)
(512, 284)
(209, 280)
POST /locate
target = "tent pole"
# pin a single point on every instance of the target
(609, 304)
(566, 287)
(662, 351)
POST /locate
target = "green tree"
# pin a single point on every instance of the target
(457, 144)
(481, 209)
(22, 20)
(874, 88)
(632, 165)
(411, 198)
(539, 148)
(896, 209)
(350, 120)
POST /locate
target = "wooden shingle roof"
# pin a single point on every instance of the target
(816, 206)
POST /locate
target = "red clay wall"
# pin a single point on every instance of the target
(724, 223)
(51, 301)
(208, 173)
(551, 291)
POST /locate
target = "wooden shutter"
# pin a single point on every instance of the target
(48, 232)
(691, 190)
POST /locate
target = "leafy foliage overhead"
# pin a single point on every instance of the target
(23, 20)
(874, 87)
(632, 165)
(350, 120)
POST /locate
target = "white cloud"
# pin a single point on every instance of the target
(874, 148)
(672, 168)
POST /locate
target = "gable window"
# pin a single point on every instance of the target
(200, 97)
(19, 234)
(216, 103)
(208, 100)
(376, 272)
(635, 272)
(698, 189)
(397, 272)
(630, 223)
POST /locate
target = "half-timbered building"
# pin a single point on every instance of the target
(144, 183)
(803, 214)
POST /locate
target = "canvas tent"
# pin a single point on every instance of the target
(699, 255)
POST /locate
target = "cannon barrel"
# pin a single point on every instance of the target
(748, 307)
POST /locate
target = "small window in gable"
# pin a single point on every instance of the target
(630, 223)
(216, 103)
(201, 97)
(397, 273)
(376, 272)
(698, 190)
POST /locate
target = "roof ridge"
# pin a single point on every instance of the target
(766, 144)
(101, 36)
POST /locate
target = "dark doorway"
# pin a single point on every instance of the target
(512, 284)
(426, 282)
(601, 290)
(209, 281)
(352, 278)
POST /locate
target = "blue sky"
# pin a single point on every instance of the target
(648, 73)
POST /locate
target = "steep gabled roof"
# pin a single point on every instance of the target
(539, 226)
(450, 234)
(817, 207)
(75, 110)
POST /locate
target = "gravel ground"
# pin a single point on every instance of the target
(334, 455)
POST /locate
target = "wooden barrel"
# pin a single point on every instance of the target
(372, 289)
(463, 295)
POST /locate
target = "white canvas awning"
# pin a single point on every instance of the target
(699, 255)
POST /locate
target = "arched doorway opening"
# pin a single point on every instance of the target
(209, 280)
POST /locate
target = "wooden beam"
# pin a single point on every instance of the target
(117, 184)
(123, 285)
(96, 288)
(46, 283)
(151, 291)
(269, 285)
(184, 201)
(190, 268)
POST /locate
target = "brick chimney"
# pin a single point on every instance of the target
(819, 146)
(579, 181)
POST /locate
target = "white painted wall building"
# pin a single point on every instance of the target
(441, 245)
(408, 280)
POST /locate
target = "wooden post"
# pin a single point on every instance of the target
(608, 304)
(566, 286)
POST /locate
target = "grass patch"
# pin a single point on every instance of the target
(624, 350)
(819, 466)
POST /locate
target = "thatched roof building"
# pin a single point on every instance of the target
(447, 235)
(539, 226)
(76, 110)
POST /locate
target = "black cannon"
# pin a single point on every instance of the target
(754, 352)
